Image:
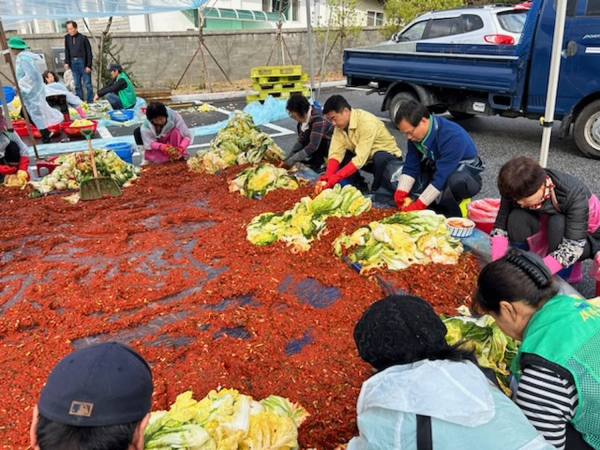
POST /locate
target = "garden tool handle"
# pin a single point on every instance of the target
(87, 132)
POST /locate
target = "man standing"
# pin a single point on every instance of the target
(442, 165)
(119, 91)
(360, 141)
(78, 58)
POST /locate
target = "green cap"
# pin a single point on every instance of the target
(17, 42)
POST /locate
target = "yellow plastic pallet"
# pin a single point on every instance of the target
(281, 95)
(297, 86)
(275, 71)
(282, 79)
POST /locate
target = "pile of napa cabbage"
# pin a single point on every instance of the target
(299, 226)
(254, 182)
(225, 420)
(400, 240)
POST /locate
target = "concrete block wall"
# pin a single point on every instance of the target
(159, 59)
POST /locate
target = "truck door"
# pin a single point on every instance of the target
(540, 62)
(580, 68)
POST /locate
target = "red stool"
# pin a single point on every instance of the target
(47, 164)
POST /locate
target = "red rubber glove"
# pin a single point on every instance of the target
(7, 170)
(399, 197)
(416, 206)
(24, 165)
(332, 167)
(344, 172)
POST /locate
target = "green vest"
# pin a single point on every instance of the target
(566, 332)
(127, 95)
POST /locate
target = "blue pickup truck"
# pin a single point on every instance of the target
(508, 80)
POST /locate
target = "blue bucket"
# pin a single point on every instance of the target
(123, 150)
(9, 93)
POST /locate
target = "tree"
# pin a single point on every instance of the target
(400, 12)
(345, 23)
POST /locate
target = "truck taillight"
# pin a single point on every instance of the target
(499, 39)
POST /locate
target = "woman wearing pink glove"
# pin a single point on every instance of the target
(164, 135)
(547, 212)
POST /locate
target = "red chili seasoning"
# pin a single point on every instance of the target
(167, 269)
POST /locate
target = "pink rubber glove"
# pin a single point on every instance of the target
(553, 264)
(416, 206)
(185, 142)
(498, 247)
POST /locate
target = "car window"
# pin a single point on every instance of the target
(471, 22)
(443, 27)
(414, 33)
(512, 21)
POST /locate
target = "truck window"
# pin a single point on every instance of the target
(592, 8)
(443, 27)
(471, 22)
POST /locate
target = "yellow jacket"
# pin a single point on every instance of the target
(366, 135)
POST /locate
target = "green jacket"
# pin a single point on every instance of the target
(127, 95)
(564, 336)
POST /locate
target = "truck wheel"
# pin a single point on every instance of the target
(399, 98)
(587, 130)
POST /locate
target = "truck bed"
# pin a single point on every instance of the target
(477, 67)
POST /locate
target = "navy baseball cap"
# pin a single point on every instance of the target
(103, 384)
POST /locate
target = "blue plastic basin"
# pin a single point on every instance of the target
(121, 115)
(123, 150)
(9, 93)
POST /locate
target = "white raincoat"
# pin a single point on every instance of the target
(34, 95)
(467, 412)
(57, 88)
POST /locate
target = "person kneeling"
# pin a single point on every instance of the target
(163, 135)
(427, 395)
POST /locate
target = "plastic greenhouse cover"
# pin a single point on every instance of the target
(19, 10)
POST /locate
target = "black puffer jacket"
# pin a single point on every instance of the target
(572, 196)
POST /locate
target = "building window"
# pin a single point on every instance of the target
(374, 18)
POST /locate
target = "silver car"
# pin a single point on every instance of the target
(471, 25)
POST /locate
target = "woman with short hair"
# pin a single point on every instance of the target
(548, 212)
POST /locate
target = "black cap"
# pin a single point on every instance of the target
(103, 384)
(399, 329)
(114, 66)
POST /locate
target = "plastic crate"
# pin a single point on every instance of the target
(260, 96)
(281, 79)
(297, 86)
(278, 71)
